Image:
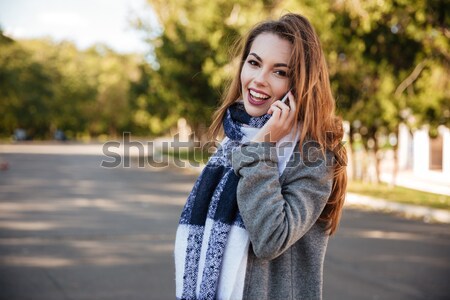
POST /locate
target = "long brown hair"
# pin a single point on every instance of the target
(316, 105)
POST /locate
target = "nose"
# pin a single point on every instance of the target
(261, 77)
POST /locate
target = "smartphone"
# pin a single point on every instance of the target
(285, 96)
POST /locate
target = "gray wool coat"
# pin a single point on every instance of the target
(287, 244)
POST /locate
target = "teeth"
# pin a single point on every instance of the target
(258, 95)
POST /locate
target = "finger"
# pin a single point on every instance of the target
(285, 109)
(276, 111)
(272, 108)
(292, 103)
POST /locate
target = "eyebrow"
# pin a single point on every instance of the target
(275, 65)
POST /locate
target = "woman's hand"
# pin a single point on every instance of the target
(280, 123)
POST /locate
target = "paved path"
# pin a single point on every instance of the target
(70, 229)
(381, 256)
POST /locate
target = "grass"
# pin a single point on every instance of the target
(382, 190)
(399, 194)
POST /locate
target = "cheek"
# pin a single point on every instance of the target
(247, 74)
(281, 89)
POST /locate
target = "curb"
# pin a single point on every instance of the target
(425, 213)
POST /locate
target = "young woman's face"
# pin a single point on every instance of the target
(264, 75)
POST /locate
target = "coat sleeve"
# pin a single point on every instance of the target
(277, 215)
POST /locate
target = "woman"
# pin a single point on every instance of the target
(257, 222)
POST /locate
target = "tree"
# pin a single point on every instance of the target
(192, 53)
(45, 86)
(390, 48)
(24, 90)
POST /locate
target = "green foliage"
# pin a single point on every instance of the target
(388, 62)
(45, 86)
(26, 96)
(386, 65)
(374, 48)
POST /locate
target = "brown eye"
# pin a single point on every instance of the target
(281, 73)
(253, 62)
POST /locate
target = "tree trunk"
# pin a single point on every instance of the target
(352, 155)
(395, 168)
(112, 130)
(376, 149)
(365, 160)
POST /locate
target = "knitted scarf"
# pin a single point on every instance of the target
(211, 242)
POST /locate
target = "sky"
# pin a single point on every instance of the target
(85, 22)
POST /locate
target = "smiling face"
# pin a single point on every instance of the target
(264, 75)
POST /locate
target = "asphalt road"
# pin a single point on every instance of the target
(70, 229)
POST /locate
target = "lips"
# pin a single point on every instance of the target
(257, 97)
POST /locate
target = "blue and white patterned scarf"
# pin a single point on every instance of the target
(211, 242)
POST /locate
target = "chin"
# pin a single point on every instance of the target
(253, 111)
